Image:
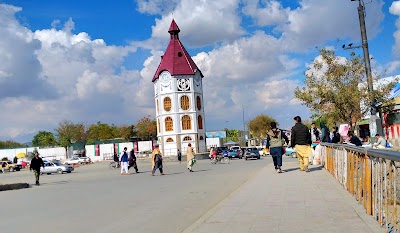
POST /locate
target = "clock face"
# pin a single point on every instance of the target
(165, 77)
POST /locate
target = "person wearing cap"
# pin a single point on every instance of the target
(124, 161)
(156, 161)
(36, 163)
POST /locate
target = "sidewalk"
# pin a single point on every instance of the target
(293, 201)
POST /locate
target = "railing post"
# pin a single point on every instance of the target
(368, 186)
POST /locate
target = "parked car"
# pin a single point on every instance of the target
(252, 153)
(75, 160)
(235, 153)
(11, 167)
(56, 167)
(289, 151)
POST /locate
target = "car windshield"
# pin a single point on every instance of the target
(57, 163)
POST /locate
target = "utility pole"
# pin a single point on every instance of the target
(373, 118)
(244, 129)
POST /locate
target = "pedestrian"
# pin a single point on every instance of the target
(334, 136)
(315, 133)
(301, 141)
(190, 157)
(354, 140)
(36, 163)
(3, 167)
(380, 142)
(156, 160)
(179, 156)
(324, 132)
(124, 161)
(275, 140)
(132, 161)
(116, 159)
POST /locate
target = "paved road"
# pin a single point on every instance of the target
(96, 199)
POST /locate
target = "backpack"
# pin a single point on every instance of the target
(388, 145)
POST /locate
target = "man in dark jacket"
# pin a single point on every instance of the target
(36, 163)
(132, 161)
(354, 139)
(301, 141)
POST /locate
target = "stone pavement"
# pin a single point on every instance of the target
(293, 201)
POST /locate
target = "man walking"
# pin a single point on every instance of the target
(36, 163)
(190, 157)
(132, 161)
(301, 141)
(124, 161)
(157, 163)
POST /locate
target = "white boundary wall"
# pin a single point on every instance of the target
(46, 153)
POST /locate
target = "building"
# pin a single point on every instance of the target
(178, 95)
(391, 120)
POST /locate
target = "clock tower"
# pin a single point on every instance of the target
(178, 94)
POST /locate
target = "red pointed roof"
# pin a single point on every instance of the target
(176, 59)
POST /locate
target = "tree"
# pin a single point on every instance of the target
(232, 135)
(125, 131)
(335, 88)
(99, 131)
(259, 126)
(68, 132)
(10, 144)
(44, 138)
(146, 127)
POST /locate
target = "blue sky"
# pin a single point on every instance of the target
(90, 61)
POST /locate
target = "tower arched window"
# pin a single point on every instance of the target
(158, 110)
(201, 138)
(169, 124)
(187, 138)
(167, 104)
(159, 125)
(198, 102)
(170, 140)
(200, 122)
(186, 122)
(185, 102)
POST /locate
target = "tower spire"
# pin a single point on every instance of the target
(174, 30)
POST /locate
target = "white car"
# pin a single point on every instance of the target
(56, 167)
(75, 160)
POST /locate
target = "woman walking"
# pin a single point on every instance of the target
(179, 156)
(156, 160)
(190, 157)
(275, 141)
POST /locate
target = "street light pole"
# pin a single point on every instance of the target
(373, 118)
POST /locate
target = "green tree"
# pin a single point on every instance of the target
(146, 127)
(335, 88)
(10, 144)
(99, 131)
(259, 126)
(125, 131)
(68, 132)
(232, 135)
(44, 138)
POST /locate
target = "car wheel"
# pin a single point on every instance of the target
(11, 169)
(59, 171)
(245, 158)
(258, 157)
(68, 171)
(48, 173)
(294, 155)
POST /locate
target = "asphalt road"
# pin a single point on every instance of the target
(96, 199)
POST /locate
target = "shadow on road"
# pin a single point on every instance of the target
(290, 169)
(54, 183)
(316, 168)
(201, 170)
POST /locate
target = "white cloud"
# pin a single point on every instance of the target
(202, 22)
(272, 14)
(395, 10)
(315, 22)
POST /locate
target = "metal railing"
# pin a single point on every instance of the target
(371, 176)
